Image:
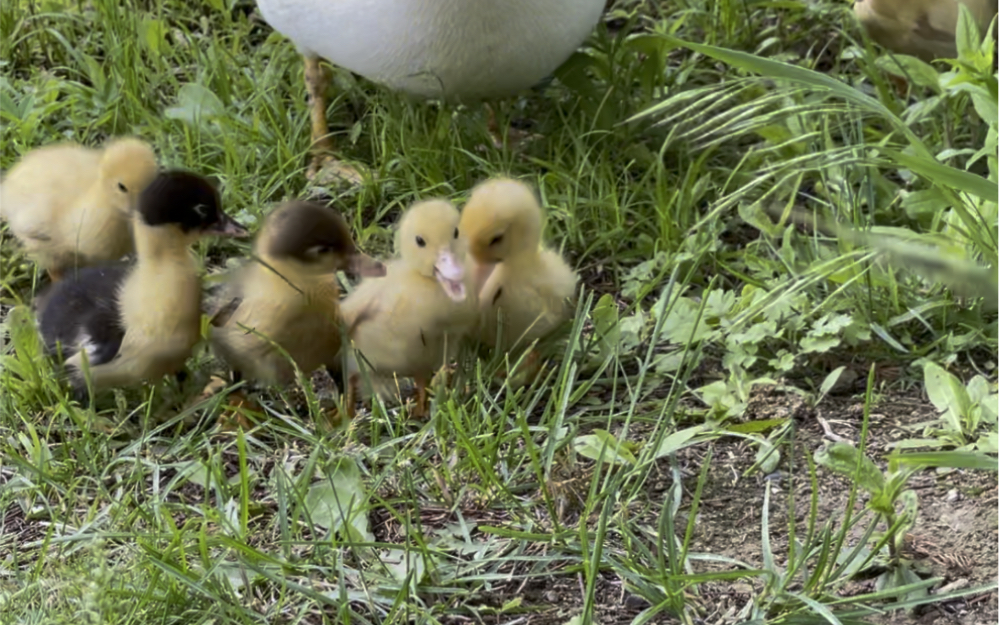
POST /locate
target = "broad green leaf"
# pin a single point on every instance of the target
(926, 202)
(984, 101)
(196, 103)
(819, 344)
(967, 36)
(768, 457)
(913, 443)
(679, 439)
(684, 324)
(153, 34)
(605, 443)
(946, 391)
(512, 604)
(752, 427)
(949, 459)
(989, 444)
(403, 563)
(830, 381)
(605, 322)
(910, 508)
(668, 363)
(941, 174)
(918, 71)
(340, 502)
(978, 389)
(843, 459)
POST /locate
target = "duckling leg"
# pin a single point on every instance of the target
(531, 367)
(348, 399)
(55, 275)
(323, 168)
(353, 382)
(525, 373)
(422, 408)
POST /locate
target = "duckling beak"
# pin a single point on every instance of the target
(363, 266)
(451, 275)
(227, 227)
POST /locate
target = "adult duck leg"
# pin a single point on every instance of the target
(323, 167)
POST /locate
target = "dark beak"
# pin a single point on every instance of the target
(227, 227)
(363, 266)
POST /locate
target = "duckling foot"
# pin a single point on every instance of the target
(55, 275)
(233, 416)
(237, 403)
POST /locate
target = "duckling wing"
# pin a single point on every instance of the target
(222, 303)
(363, 304)
(81, 313)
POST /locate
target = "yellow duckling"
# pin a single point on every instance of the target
(291, 297)
(921, 28)
(71, 206)
(410, 322)
(530, 288)
(139, 321)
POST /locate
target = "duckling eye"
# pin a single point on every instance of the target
(201, 210)
(122, 187)
(421, 242)
(496, 240)
(319, 250)
(456, 233)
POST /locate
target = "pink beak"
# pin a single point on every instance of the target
(451, 275)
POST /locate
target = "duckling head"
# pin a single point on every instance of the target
(127, 167)
(316, 238)
(427, 241)
(187, 202)
(501, 219)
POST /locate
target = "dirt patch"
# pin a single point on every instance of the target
(954, 538)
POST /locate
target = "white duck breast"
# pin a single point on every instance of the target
(454, 49)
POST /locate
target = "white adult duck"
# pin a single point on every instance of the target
(456, 50)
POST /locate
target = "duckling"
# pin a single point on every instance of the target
(920, 28)
(290, 295)
(139, 321)
(530, 288)
(464, 50)
(410, 322)
(70, 206)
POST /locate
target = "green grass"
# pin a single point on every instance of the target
(669, 172)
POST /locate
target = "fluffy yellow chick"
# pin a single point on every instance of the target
(410, 322)
(71, 206)
(530, 288)
(920, 28)
(291, 297)
(139, 321)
